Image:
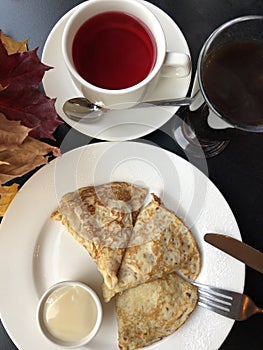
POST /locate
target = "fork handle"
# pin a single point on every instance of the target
(259, 310)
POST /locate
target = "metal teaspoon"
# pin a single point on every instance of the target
(80, 107)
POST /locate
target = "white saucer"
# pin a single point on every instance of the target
(116, 126)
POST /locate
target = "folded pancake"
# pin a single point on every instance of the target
(160, 243)
(153, 310)
(101, 219)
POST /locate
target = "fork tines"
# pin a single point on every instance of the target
(214, 299)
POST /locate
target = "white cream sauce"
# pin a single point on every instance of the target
(70, 313)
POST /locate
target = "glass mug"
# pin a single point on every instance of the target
(228, 88)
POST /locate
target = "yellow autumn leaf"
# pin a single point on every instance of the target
(7, 193)
(12, 46)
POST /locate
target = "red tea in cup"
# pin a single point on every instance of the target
(114, 50)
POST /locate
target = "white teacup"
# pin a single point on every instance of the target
(163, 63)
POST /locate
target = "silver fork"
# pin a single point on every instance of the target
(227, 303)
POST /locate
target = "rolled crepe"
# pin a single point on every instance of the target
(160, 243)
(154, 310)
(101, 219)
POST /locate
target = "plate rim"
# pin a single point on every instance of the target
(50, 168)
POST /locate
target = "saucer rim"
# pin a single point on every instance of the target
(115, 132)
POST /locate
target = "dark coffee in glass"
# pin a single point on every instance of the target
(230, 72)
(233, 81)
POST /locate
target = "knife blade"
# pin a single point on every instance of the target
(237, 249)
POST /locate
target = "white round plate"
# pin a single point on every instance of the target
(115, 126)
(36, 252)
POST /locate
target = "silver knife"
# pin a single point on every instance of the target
(239, 250)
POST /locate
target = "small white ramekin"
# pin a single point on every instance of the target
(40, 315)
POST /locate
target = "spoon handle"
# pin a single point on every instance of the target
(180, 101)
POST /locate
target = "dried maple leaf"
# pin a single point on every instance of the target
(20, 96)
(32, 108)
(29, 155)
(21, 68)
(12, 133)
(13, 46)
(7, 194)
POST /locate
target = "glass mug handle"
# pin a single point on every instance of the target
(198, 100)
(176, 64)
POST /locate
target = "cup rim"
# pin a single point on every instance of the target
(160, 55)
(48, 335)
(200, 62)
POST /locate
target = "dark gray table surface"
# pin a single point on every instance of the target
(237, 172)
